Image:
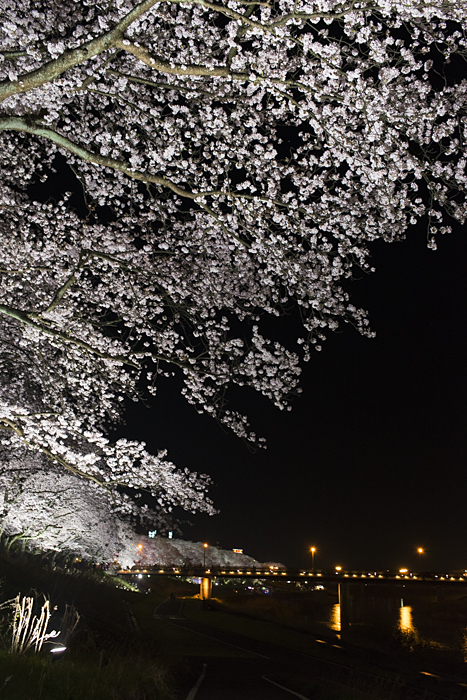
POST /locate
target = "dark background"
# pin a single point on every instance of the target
(370, 464)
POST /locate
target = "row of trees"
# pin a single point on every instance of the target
(234, 160)
(42, 509)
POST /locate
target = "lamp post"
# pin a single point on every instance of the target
(313, 552)
(204, 554)
(420, 552)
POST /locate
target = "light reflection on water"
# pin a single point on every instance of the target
(335, 618)
(405, 619)
(404, 623)
(414, 624)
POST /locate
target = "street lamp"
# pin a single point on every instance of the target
(204, 554)
(420, 552)
(313, 551)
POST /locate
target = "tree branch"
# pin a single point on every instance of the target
(171, 86)
(73, 57)
(60, 293)
(28, 321)
(7, 424)
(31, 127)
(281, 21)
(158, 63)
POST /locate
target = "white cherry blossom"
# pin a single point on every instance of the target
(234, 160)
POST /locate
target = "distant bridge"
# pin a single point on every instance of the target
(351, 585)
(275, 573)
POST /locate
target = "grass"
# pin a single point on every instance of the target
(369, 674)
(382, 641)
(178, 642)
(346, 679)
(256, 629)
(98, 675)
(305, 611)
(105, 659)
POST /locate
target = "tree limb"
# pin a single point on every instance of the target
(22, 124)
(73, 57)
(28, 321)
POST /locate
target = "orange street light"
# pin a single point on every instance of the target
(420, 552)
(313, 552)
(204, 554)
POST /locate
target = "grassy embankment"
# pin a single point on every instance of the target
(109, 659)
(440, 641)
(106, 658)
(291, 620)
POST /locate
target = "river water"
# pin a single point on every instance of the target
(437, 620)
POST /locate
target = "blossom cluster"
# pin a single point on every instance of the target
(234, 161)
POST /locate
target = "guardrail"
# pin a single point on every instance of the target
(295, 574)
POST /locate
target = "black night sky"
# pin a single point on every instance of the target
(370, 464)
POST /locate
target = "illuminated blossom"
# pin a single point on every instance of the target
(234, 160)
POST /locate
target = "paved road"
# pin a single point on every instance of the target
(248, 675)
(227, 679)
(243, 677)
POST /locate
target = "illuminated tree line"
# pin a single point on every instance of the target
(235, 159)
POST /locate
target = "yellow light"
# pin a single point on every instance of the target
(403, 571)
(405, 619)
(205, 545)
(335, 618)
(313, 549)
(338, 568)
(140, 546)
(420, 550)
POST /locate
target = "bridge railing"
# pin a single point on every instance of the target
(293, 574)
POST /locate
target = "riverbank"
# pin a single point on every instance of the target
(106, 658)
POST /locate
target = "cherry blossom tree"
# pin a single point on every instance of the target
(43, 508)
(46, 510)
(235, 159)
